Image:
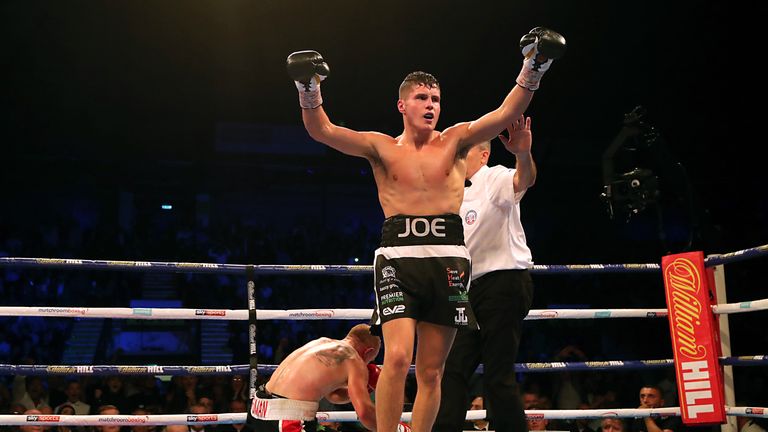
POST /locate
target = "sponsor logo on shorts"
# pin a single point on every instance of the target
(393, 310)
(471, 217)
(388, 272)
(461, 317)
(460, 298)
(393, 297)
(758, 411)
(455, 278)
(388, 287)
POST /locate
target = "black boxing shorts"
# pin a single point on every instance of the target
(422, 271)
(274, 413)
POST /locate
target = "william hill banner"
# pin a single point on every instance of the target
(694, 339)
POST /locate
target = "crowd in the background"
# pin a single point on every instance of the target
(118, 394)
(36, 340)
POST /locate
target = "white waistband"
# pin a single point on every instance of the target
(283, 409)
(423, 251)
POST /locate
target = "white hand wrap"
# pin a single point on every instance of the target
(309, 95)
(533, 68)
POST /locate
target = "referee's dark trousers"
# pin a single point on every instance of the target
(500, 300)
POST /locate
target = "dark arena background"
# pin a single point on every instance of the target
(170, 131)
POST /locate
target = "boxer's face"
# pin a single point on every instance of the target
(421, 106)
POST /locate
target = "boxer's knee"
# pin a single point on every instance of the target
(397, 362)
(429, 376)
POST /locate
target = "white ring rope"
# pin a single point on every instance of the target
(340, 416)
(320, 314)
(747, 306)
(345, 314)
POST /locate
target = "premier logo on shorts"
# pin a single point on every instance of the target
(392, 297)
(421, 227)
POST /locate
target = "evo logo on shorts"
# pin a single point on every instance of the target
(421, 227)
(393, 310)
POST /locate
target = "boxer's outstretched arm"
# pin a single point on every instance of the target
(308, 69)
(490, 125)
(343, 139)
(539, 47)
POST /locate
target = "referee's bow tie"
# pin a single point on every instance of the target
(467, 183)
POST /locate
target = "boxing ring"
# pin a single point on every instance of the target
(253, 315)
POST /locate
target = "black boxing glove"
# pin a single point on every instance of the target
(540, 47)
(307, 69)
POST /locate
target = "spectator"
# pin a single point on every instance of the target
(612, 425)
(236, 406)
(111, 393)
(74, 393)
(200, 409)
(66, 409)
(651, 397)
(107, 410)
(537, 422)
(31, 428)
(142, 412)
(480, 425)
(30, 392)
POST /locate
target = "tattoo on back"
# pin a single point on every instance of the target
(334, 356)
